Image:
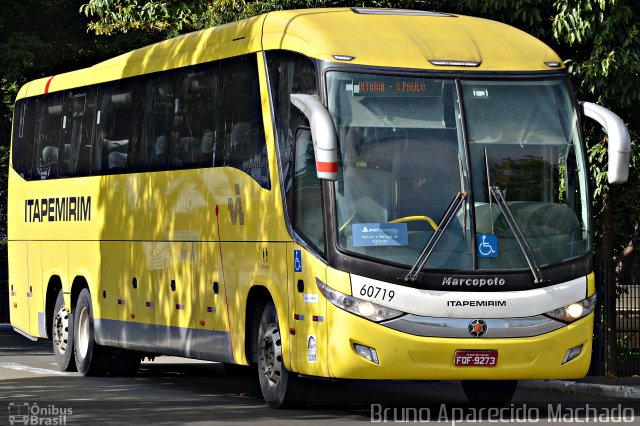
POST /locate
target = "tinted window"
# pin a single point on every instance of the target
(153, 117)
(240, 119)
(307, 192)
(47, 153)
(77, 131)
(194, 126)
(23, 127)
(289, 73)
(113, 128)
(199, 116)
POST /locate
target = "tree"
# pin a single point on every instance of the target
(606, 38)
(39, 38)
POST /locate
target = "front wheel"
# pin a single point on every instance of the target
(91, 359)
(494, 393)
(280, 387)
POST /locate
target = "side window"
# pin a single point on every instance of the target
(22, 144)
(194, 133)
(240, 119)
(307, 192)
(77, 131)
(289, 73)
(153, 117)
(113, 128)
(47, 153)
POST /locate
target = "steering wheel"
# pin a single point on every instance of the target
(427, 219)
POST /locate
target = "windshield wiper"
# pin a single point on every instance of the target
(496, 192)
(455, 205)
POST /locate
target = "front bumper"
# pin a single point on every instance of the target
(404, 356)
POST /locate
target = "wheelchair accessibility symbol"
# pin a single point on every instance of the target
(487, 245)
(297, 261)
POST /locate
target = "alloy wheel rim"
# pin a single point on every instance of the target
(271, 355)
(61, 330)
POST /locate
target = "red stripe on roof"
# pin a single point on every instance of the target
(46, 87)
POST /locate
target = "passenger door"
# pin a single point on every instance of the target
(306, 262)
(309, 313)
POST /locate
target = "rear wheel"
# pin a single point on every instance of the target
(280, 387)
(91, 359)
(489, 392)
(62, 335)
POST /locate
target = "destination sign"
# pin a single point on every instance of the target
(394, 87)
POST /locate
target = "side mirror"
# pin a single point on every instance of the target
(323, 134)
(619, 148)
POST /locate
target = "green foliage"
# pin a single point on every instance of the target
(123, 16)
(601, 41)
(173, 17)
(39, 38)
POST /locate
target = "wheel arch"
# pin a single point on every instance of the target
(257, 299)
(53, 288)
(79, 283)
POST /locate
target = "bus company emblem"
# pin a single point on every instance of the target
(477, 328)
(235, 210)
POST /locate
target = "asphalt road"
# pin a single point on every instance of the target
(171, 391)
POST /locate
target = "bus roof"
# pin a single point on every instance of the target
(375, 37)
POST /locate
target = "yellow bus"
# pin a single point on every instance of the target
(338, 193)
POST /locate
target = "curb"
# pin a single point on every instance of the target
(593, 389)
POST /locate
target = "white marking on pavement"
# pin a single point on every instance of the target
(34, 370)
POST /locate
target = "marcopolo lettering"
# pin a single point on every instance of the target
(473, 282)
(476, 303)
(57, 209)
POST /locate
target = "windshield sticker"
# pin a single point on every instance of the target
(379, 234)
(487, 245)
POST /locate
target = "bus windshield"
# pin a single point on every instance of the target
(410, 147)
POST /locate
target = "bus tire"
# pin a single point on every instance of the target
(494, 393)
(91, 359)
(62, 335)
(280, 388)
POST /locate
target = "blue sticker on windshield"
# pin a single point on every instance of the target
(487, 245)
(379, 234)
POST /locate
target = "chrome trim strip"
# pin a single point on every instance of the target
(25, 334)
(42, 325)
(211, 345)
(458, 327)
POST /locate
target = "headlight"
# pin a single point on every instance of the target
(574, 311)
(364, 308)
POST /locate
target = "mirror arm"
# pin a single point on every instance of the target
(323, 133)
(619, 149)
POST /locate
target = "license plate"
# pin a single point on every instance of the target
(476, 358)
